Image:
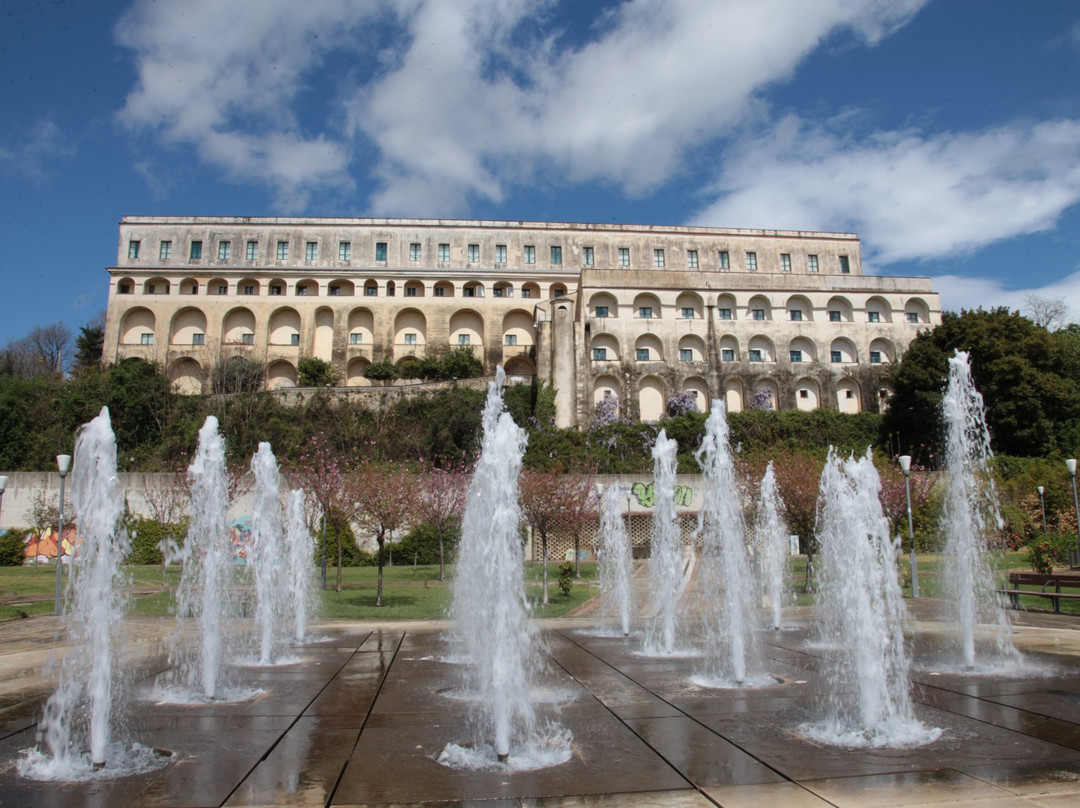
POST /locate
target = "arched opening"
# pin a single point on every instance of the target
(557, 290)
(284, 327)
(307, 288)
(324, 334)
(759, 308)
(729, 349)
(647, 307)
(502, 289)
(361, 327)
(691, 348)
(188, 328)
(882, 352)
(651, 399)
(137, 327)
(603, 305)
(519, 368)
(218, 287)
(648, 348)
(189, 286)
(698, 388)
(848, 396)
(688, 306)
(186, 376)
(766, 396)
(466, 328)
(733, 395)
(726, 308)
(530, 289)
(444, 289)
(606, 385)
(842, 352)
(238, 327)
(916, 311)
(281, 374)
(354, 373)
(799, 309)
(518, 334)
(410, 333)
(472, 289)
(414, 289)
(801, 350)
(807, 394)
(878, 310)
(156, 286)
(839, 309)
(248, 287)
(342, 287)
(604, 348)
(760, 349)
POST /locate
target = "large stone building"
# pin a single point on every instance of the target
(638, 312)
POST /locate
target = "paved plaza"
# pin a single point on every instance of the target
(361, 720)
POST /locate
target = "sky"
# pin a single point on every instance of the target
(946, 133)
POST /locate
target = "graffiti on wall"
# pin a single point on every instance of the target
(646, 495)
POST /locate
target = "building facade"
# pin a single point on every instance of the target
(641, 313)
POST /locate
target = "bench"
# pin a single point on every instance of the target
(1049, 584)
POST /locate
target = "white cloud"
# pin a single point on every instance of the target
(962, 292)
(35, 153)
(908, 196)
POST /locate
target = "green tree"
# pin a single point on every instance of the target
(139, 399)
(382, 371)
(89, 345)
(237, 374)
(313, 372)
(461, 363)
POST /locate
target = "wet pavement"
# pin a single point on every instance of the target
(361, 720)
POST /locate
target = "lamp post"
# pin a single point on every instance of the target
(63, 463)
(1042, 506)
(3, 485)
(1074, 560)
(905, 466)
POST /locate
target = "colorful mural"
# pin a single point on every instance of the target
(42, 546)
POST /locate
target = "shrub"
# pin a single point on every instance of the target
(13, 548)
(313, 372)
(146, 537)
(1050, 551)
(566, 577)
(421, 545)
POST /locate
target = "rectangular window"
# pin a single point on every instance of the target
(414, 252)
(558, 292)
(526, 292)
(587, 256)
(198, 339)
(146, 339)
(725, 260)
(804, 393)
(727, 354)
(811, 263)
(165, 250)
(688, 314)
(276, 290)
(785, 262)
(658, 258)
(251, 250)
(444, 253)
(294, 339)
(497, 292)
(410, 339)
(755, 354)
(834, 316)
(468, 291)
(795, 356)
(599, 354)
(751, 261)
(344, 250)
(249, 289)
(335, 291)
(462, 339)
(643, 354)
(125, 289)
(873, 317)
(474, 253)
(247, 339)
(151, 288)
(511, 339)
(380, 250)
(440, 291)
(390, 289)
(311, 251)
(500, 253)
(645, 312)
(836, 357)
(133, 249)
(530, 255)
(371, 291)
(686, 355)
(875, 357)
(845, 265)
(196, 251)
(301, 290)
(223, 289)
(224, 250)
(556, 256)
(282, 250)
(601, 311)
(911, 317)
(796, 316)
(725, 314)
(757, 314)
(691, 259)
(356, 338)
(624, 256)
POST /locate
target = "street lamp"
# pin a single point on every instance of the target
(1042, 505)
(905, 466)
(3, 485)
(1074, 561)
(63, 463)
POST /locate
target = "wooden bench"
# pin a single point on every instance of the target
(1050, 586)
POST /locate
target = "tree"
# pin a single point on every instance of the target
(89, 345)
(581, 510)
(461, 363)
(1047, 313)
(320, 472)
(894, 496)
(139, 398)
(313, 372)
(50, 345)
(384, 497)
(541, 500)
(237, 374)
(1020, 368)
(798, 476)
(440, 503)
(382, 371)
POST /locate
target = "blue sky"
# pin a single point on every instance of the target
(945, 132)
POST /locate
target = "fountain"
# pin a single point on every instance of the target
(732, 657)
(300, 571)
(862, 614)
(490, 616)
(665, 558)
(267, 555)
(970, 511)
(616, 561)
(771, 546)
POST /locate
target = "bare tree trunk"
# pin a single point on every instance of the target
(339, 560)
(378, 586)
(442, 558)
(543, 544)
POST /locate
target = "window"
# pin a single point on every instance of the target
(195, 253)
(500, 253)
(526, 292)
(686, 355)
(811, 263)
(751, 261)
(440, 291)
(251, 250)
(311, 251)
(249, 289)
(599, 354)
(371, 290)
(688, 314)
(410, 291)
(795, 356)
(335, 291)
(474, 253)
(691, 259)
(796, 316)
(643, 354)
(530, 255)
(849, 394)
(558, 292)
(410, 339)
(276, 289)
(444, 253)
(247, 339)
(873, 317)
(124, 289)
(146, 339)
(133, 249)
(725, 260)
(645, 312)
(380, 250)
(755, 355)
(223, 289)
(785, 262)
(804, 394)
(497, 292)
(556, 256)
(344, 251)
(282, 250)
(468, 291)
(757, 314)
(727, 354)
(462, 339)
(301, 290)
(511, 339)
(294, 339)
(725, 314)
(151, 288)
(601, 311)
(165, 251)
(911, 317)
(834, 316)
(198, 339)
(390, 289)
(875, 357)
(587, 256)
(624, 256)
(414, 252)
(356, 338)
(845, 265)
(658, 258)
(224, 250)
(836, 357)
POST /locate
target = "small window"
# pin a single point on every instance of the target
(463, 339)
(875, 357)
(601, 311)
(497, 291)
(785, 262)
(344, 251)
(658, 258)
(530, 255)
(751, 261)
(251, 250)
(196, 251)
(276, 289)
(146, 339)
(526, 292)
(811, 263)
(691, 259)
(133, 249)
(282, 250)
(834, 316)
(371, 291)
(510, 339)
(757, 314)
(845, 265)
(836, 357)
(410, 291)
(223, 288)
(301, 290)
(873, 317)
(474, 253)
(688, 314)
(380, 250)
(624, 256)
(911, 317)
(165, 251)
(124, 289)
(727, 354)
(804, 394)
(444, 253)
(311, 251)
(356, 338)
(294, 339)
(559, 293)
(725, 260)
(500, 253)
(599, 354)
(414, 252)
(390, 289)
(151, 288)
(725, 314)
(643, 354)
(795, 356)
(440, 291)
(247, 339)
(686, 355)
(335, 291)
(249, 289)
(849, 394)
(198, 339)
(796, 316)
(468, 291)
(645, 312)
(587, 256)
(556, 256)
(224, 250)
(410, 339)
(755, 354)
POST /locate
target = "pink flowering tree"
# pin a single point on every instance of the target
(440, 503)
